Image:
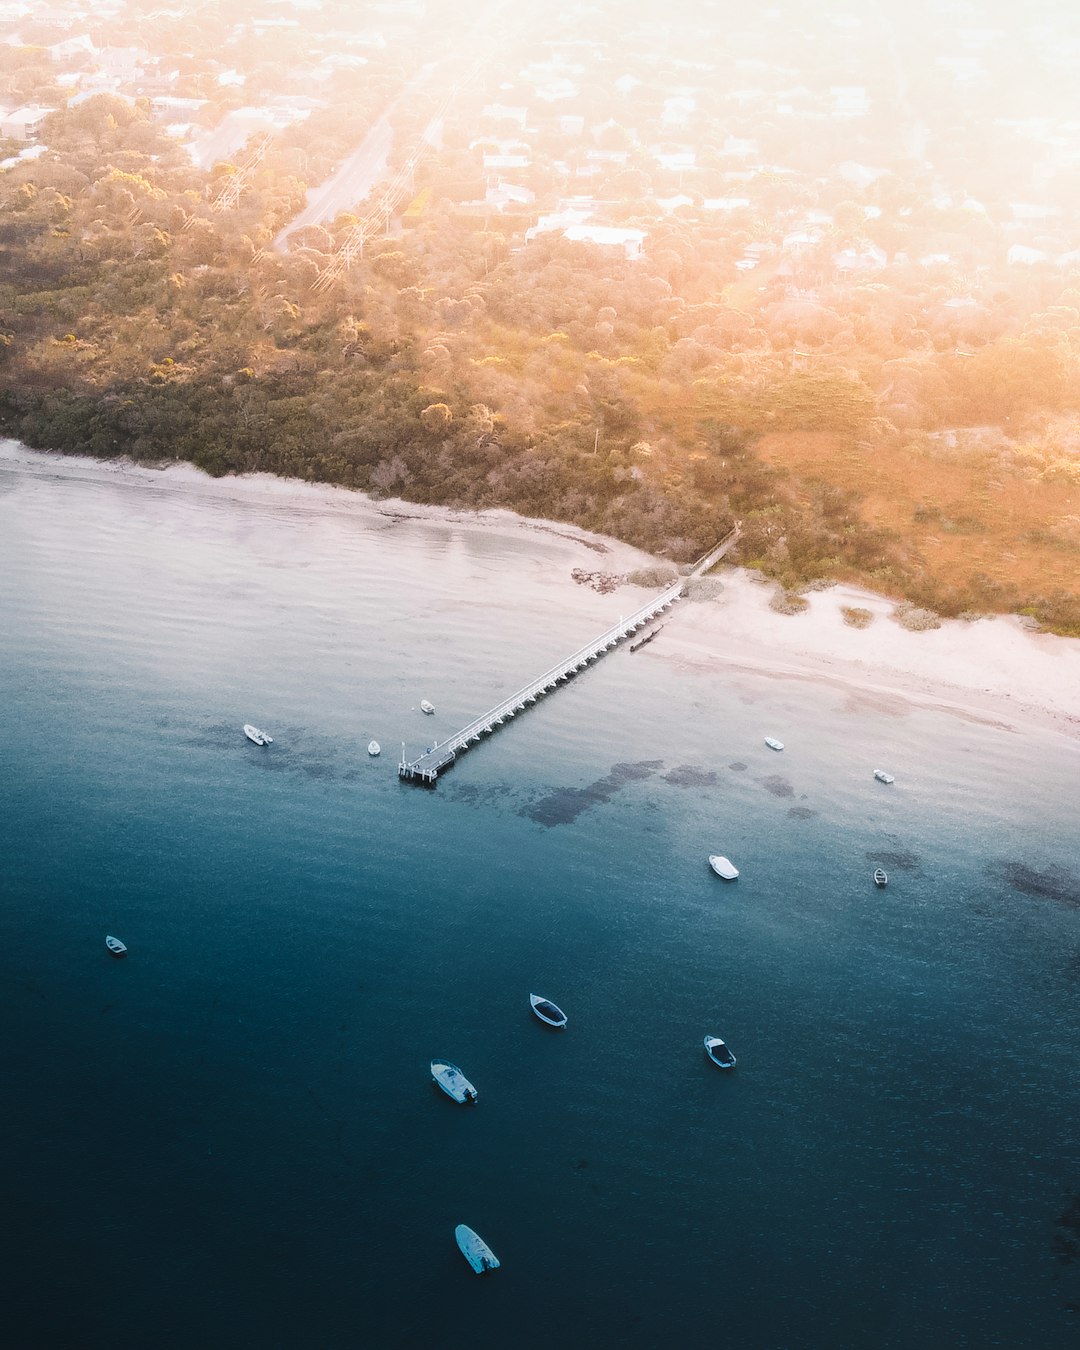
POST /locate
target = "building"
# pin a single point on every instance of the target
(24, 124)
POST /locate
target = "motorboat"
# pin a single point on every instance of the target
(453, 1082)
(115, 946)
(881, 877)
(723, 867)
(773, 743)
(549, 1013)
(426, 707)
(475, 1250)
(259, 737)
(374, 748)
(718, 1052)
(883, 777)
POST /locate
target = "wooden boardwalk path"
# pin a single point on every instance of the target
(427, 767)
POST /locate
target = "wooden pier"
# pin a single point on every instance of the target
(428, 766)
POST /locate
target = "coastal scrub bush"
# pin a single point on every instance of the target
(704, 588)
(1056, 613)
(787, 602)
(857, 617)
(652, 576)
(915, 619)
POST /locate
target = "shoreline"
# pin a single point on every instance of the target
(331, 498)
(991, 670)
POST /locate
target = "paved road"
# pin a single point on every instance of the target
(354, 181)
(230, 135)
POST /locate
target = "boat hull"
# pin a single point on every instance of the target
(475, 1250)
(549, 1013)
(723, 867)
(453, 1082)
(115, 947)
(718, 1054)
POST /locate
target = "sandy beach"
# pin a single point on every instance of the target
(994, 670)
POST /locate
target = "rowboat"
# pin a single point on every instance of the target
(548, 1012)
(723, 867)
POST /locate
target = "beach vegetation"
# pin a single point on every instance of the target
(914, 618)
(855, 616)
(652, 577)
(888, 431)
(788, 602)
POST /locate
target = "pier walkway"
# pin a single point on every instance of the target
(427, 767)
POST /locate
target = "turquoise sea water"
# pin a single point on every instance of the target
(230, 1138)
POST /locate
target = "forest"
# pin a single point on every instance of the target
(862, 432)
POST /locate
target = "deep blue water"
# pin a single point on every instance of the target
(230, 1138)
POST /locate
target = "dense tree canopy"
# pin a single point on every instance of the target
(648, 399)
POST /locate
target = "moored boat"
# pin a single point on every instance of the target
(718, 1052)
(549, 1013)
(426, 707)
(880, 877)
(773, 743)
(475, 1250)
(643, 642)
(374, 748)
(453, 1082)
(259, 737)
(723, 867)
(115, 946)
(883, 777)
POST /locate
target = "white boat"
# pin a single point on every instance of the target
(259, 737)
(718, 1052)
(475, 1250)
(883, 777)
(374, 748)
(773, 743)
(426, 707)
(453, 1082)
(881, 877)
(549, 1013)
(115, 946)
(723, 867)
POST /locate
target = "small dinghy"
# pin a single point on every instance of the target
(717, 1051)
(115, 946)
(374, 748)
(475, 1250)
(723, 867)
(773, 743)
(883, 777)
(880, 877)
(259, 737)
(453, 1082)
(549, 1013)
(426, 707)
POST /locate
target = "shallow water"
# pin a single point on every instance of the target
(230, 1137)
